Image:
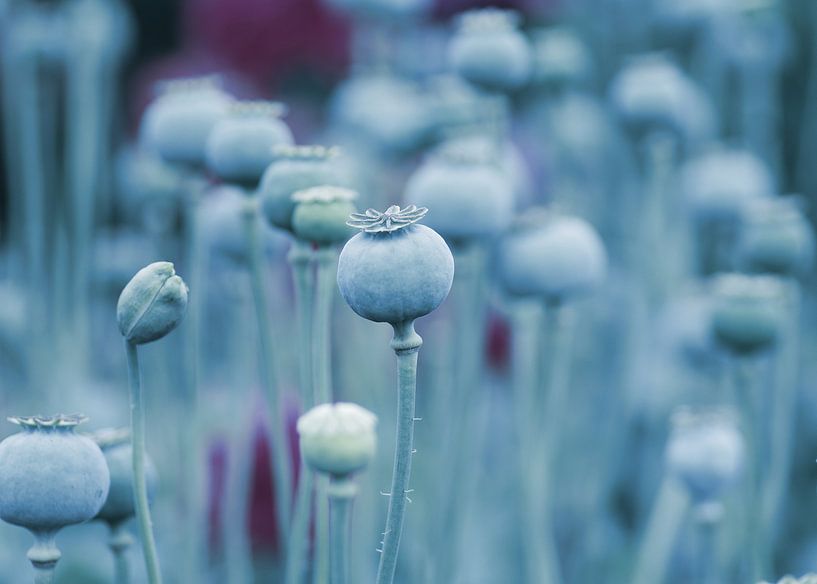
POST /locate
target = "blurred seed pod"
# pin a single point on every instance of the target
(560, 59)
(240, 146)
(748, 311)
(338, 439)
(321, 213)
(776, 237)
(488, 50)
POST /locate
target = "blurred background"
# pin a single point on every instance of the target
(657, 162)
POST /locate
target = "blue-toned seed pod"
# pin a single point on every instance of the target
(807, 579)
(338, 439)
(321, 213)
(116, 447)
(240, 147)
(652, 93)
(560, 58)
(470, 194)
(50, 476)
(395, 270)
(176, 125)
(551, 256)
(152, 304)
(295, 168)
(776, 237)
(705, 452)
(748, 311)
(382, 111)
(489, 50)
(718, 185)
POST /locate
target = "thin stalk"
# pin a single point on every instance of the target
(406, 344)
(281, 463)
(706, 517)
(300, 258)
(140, 491)
(661, 533)
(321, 363)
(119, 542)
(342, 491)
(44, 556)
(237, 553)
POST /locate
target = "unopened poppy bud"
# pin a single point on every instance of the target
(152, 304)
(338, 439)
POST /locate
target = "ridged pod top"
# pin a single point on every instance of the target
(48, 422)
(392, 219)
(189, 85)
(488, 20)
(293, 152)
(324, 194)
(258, 109)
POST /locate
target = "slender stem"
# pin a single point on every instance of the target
(44, 556)
(300, 258)
(707, 517)
(140, 491)
(662, 530)
(119, 542)
(341, 493)
(299, 534)
(320, 567)
(406, 344)
(281, 462)
(237, 552)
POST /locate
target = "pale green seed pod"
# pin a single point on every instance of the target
(152, 304)
(338, 439)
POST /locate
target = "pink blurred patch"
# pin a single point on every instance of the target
(498, 342)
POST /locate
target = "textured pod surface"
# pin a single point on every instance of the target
(176, 125)
(119, 502)
(338, 438)
(285, 177)
(395, 276)
(239, 148)
(468, 200)
(152, 304)
(563, 257)
(50, 478)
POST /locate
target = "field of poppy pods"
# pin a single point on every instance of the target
(408, 292)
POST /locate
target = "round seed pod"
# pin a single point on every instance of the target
(116, 447)
(176, 125)
(560, 59)
(551, 256)
(295, 168)
(748, 311)
(338, 439)
(394, 270)
(489, 50)
(776, 237)
(152, 304)
(50, 476)
(719, 184)
(321, 213)
(240, 147)
(705, 452)
(471, 196)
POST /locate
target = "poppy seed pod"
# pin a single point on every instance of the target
(719, 184)
(116, 447)
(51, 477)
(705, 452)
(776, 237)
(560, 59)
(489, 50)
(471, 195)
(176, 125)
(554, 257)
(807, 579)
(748, 311)
(321, 213)
(294, 168)
(240, 146)
(338, 439)
(394, 270)
(152, 304)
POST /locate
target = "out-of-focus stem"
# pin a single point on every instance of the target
(119, 542)
(44, 556)
(341, 493)
(661, 533)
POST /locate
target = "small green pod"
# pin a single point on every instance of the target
(321, 213)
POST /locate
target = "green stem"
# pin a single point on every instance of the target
(119, 542)
(341, 493)
(299, 534)
(140, 492)
(662, 530)
(406, 344)
(44, 556)
(281, 462)
(321, 362)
